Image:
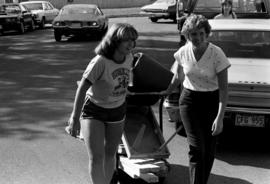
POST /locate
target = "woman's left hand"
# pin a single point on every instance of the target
(217, 127)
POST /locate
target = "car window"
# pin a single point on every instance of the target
(12, 9)
(244, 44)
(33, 6)
(99, 12)
(81, 10)
(50, 5)
(166, 1)
(47, 7)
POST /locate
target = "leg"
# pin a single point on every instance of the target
(113, 133)
(93, 134)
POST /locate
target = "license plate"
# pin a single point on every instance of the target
(76, 25)
(250, 120)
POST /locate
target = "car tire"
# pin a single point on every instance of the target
(154, 19)
(21, 29)
(42, 23)
(32, 26)
(57, 36)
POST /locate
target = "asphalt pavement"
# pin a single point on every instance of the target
(122, 12)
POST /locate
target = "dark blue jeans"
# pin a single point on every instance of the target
(198, 111)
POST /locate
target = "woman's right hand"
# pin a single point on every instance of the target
(73, 127)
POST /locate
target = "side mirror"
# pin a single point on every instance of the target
(24, 11)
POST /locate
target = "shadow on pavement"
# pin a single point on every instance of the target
(246, 146)
(38, 80)
(179, 174)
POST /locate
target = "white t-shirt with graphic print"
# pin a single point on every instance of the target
(201, 75)
(109, 81)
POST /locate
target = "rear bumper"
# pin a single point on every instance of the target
(76, 31)
(10, 26)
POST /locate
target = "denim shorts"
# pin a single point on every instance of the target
(109, 115)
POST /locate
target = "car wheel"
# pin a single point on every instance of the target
(1, 31)
(57, 36)
(42, 23)
(32, 25)
(154, 19)
(21, 28)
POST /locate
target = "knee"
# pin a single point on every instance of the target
(196, 153)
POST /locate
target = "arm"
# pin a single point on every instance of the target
(74, 120)
(176, 80)
(223, 97)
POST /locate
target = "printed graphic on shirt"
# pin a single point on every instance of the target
(121, 77)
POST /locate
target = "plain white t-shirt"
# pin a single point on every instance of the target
(109, 81)
(201, 75)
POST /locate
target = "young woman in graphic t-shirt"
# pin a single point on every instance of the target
(99, 107)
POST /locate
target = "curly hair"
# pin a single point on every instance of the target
(195, 21)
(115, 35)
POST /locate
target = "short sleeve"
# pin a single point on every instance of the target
(177, 55)
(221, 61)
(94, 70)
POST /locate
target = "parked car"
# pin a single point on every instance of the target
(15, 17)
(246, 43)
(43, 11)
(160, 9)
(80, 19)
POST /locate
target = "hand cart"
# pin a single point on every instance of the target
(136, 141)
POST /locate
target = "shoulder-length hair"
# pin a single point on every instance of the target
(195, 21)
(115, 35)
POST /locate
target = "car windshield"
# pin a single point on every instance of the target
(243, 44)
(33, 6)
(166, 1)
(81, 10)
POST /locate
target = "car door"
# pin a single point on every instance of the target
(26, 15)
(51, 13)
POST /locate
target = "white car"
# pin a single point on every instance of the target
(246, 43)
(43, 11)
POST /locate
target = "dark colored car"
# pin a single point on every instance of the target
(15, 17)
(80, 19)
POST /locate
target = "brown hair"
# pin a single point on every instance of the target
(115, 35)
(195, 21)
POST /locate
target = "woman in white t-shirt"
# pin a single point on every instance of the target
(99, 108)
(202, 69)
(226, 10)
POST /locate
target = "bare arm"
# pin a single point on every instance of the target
(176, 80)
(223, 98)
(74, 123)
(83, 86)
